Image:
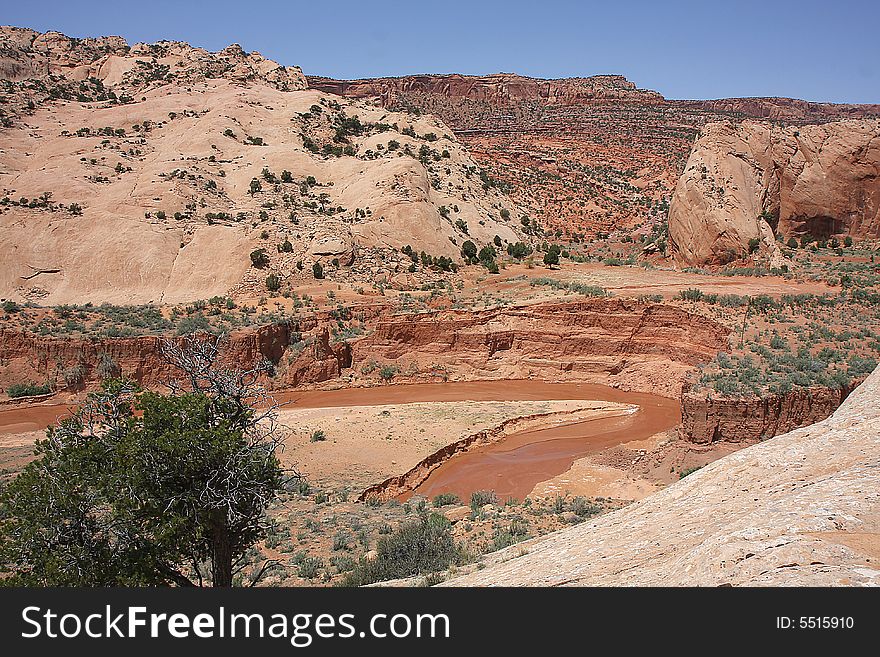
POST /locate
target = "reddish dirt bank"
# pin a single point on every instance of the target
(30, 357)
(705, 420)
(512, 458)
(585, 340)
(637, 346)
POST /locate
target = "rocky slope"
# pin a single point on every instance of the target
(26, 55)
(815, 180)
(801, 509)
(150, 173)
(585, 155)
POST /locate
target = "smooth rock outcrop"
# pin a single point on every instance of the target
(26, 54)
(800, 509)
(741, 180)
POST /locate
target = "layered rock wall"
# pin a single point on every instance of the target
(707, 419)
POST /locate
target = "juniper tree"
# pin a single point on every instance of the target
(143, 488)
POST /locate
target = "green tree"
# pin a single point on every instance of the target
(469, 252)
(259, 258)
(317, 270)
(273, 283)
(173, 494)
(551, 258)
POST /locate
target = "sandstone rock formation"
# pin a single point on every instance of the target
(149, 174)
(27, 54)
(706, 419)
(312, 359)
(636, 346)
(816, 180)
(500, 88)
(800, 509)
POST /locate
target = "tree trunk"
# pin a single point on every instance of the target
(221, 560)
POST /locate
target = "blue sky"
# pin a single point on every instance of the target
(823, 51)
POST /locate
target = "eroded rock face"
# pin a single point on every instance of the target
(750, 419)
(801, 509)
(634, 346)
(31, 357)
(817, 180)
(499, 88)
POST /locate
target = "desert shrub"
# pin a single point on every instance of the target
(480, 498)
(469, 252)
(857, 365)
(503, 537)
(551, 258)
(584, 507)
(684, 473)
(417, 547)
(28, 389)
(309, 567)
(11, 307)
(388, 372)
(273, 283)
(317, 270)
(341, 540)
(691, 294)
(259, 258)
(342, 563)
(778, 342)
(317, 436)
(445, 499)
(194, 323)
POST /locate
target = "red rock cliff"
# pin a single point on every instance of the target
(624, 342)
(705, 420)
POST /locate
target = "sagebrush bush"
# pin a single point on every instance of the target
(417, 547)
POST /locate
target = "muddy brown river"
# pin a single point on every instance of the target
(510, 467)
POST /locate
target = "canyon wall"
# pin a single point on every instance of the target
(706, 419)
(635, 346)
(595, 154)
(76, 364)
(625, 343)
(497, 89)
(816, 180)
